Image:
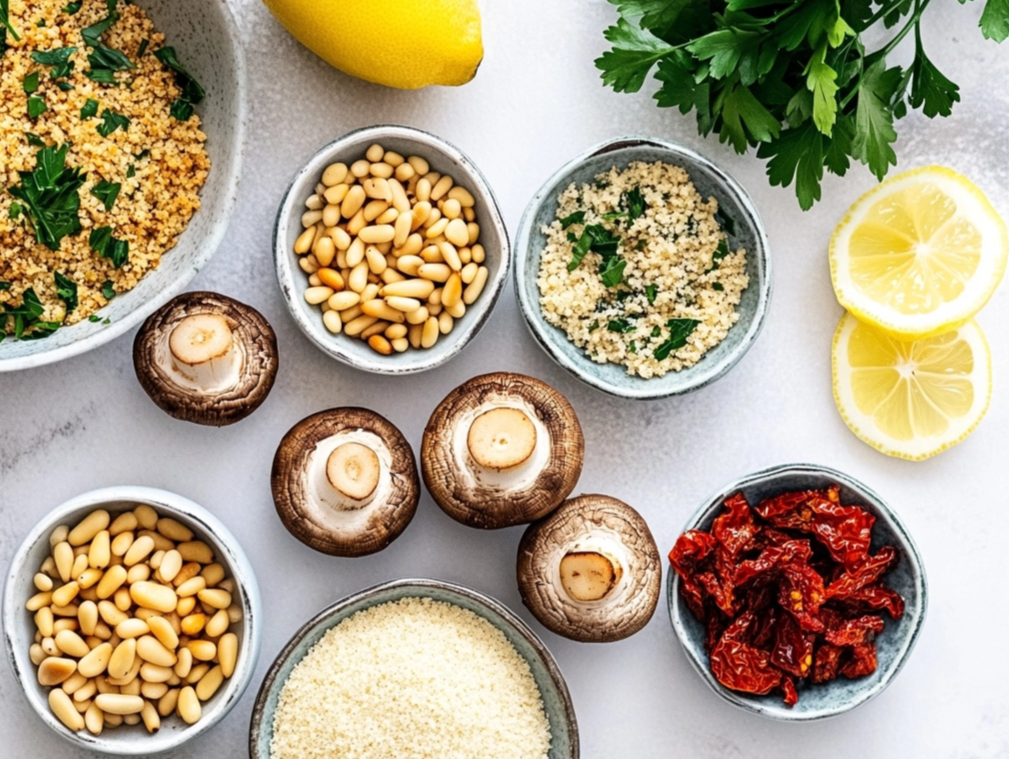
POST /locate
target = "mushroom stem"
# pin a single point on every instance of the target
(204, 352)
(502, 438)
(353, 470)
(588, 575)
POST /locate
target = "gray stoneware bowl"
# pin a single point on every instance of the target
(709, 180)
(208, 42)
(556, 699)
(894, 644)
(444, 158)
(19, 628)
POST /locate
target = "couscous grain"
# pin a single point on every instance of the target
(159, 161)
(637, 270)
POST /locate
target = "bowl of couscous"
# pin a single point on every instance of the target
(121, 171)
(643, 269)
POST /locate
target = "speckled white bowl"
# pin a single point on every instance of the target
(19, 627)
(710, 180)
(893, 645)
(209, 45)
(444, 158)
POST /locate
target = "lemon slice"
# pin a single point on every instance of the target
(920, 254)
(914, 399)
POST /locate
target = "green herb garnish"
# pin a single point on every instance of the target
(632, 347)
(36, 107)
(34, 140)
(31, 83)
(611, 271)
(578, 217)
(108, 291)
(58, 59)
(5, 26)
(805, 82)
(107, 192)
(28, 324)
(651, 291)
(111, 121)
(131, 171)
(656, 331)
(66, 291)
(620, 325)
(717, 286)
(102, 76)
(143, 48)
(192, 92)
(726, 222)
(594, 326)
(94, 318)
(92, 34)
(65, 86)
(15, 211)
(679, 331)
(5, 286)
(105, 245)
(51, 196)
(90, 109)
(72, 8)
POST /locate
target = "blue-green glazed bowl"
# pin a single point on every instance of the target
(710, 181)
(893, 645)
(554, 691)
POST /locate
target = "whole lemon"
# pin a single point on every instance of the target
(399, 43)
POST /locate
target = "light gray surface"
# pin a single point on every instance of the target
(536, 102)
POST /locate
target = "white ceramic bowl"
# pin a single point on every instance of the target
(443, 158)
(19, 627)
(207, 39)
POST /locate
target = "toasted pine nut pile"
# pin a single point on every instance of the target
(391, 249)
(132, 617)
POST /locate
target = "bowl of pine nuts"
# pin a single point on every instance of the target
(390, 250)
(131, 620)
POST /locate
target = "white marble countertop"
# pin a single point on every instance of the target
(536, 102)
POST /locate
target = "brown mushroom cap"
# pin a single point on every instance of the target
(363, 528)
(594, 526)
(472, 495)
(256, 358)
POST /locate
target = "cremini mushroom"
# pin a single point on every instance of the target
(502, 449)
(590, 571)
(345, 482)
(206, 358)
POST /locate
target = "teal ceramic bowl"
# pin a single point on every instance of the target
(556, 699)
(710, 181)
(893, 645)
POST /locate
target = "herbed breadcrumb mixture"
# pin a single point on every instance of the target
(637, 270)
(411, 679)
(158, 161)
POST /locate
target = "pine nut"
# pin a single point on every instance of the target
(399, 199)
(441, 189)
(44, 622)
(125, 522)
(388, 216)
(341, 301)
(435, 272)
(376, 234)
(144, 545)
(445, 322)
(358, 278)
(390, 275)
(43, 582)
(457, 233)
(150, 649)
(478, 253)
(418, 317)
(430, 336)
(132, 628)
(469, 272)
(149, 716)
(72, 644)
(382, 170)
(423, 190)
(340, 238)
(185, 663)
(410, 265)
(403, 226)
(80, 561)
(353, 202)
(437, 229)
(360, 324)
(376, 261)
(432, 177)
(314, 203)
(193, 624)
(325, 252)
(374, 209)
(63, 555)
(153, 596)
(100, 551)
(170, 565)
(396, 331)
(465, 255)
(168, 702)
(147, 517)
(95, 662)
(54, 670)
(360, 169)
(357, 223)
(348, 315)
(64, 595)
(111, 614)
(121, 543)
(315, 296)
(377, 188)
(415, 334)
(461, 194)
(123, 658)
(58, 535)
(86, 692)
(474, 232)
(451, 255)
(476, 287)
(209, 683)
(309, 265)
(65, 710)
(64, 623)
(117, 703)
(334, 174)
(331, 216)
(189, 706)
(310, 218)
(186, 606)
(381, 310)
(87, 616)
(380, 345)
(355, 253)
(375, 329)
(74, 683)
(138, 573)
(400, 344)
(457, 311)
(36, 654)
(196, 551)
(155, 673)
(411, 288)
(219, 623)
(405, 305)
(332, 322)
(111, 581)
(405, 172)
(88, 527)
(421, 213)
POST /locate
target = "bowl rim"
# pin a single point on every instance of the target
(677, 609)
(270, 682)
(206, 249)
(523, 243)
(333, 345)
(127, 744)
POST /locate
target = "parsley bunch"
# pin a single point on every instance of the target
(791, 78)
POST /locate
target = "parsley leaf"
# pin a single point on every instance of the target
(143, 48)
(651, 291)
(31, 83)
(51, 196)
(822, 82)
(635, 51)
(105, 245)
(717, 286)
(192, 92)
(102, 76)
(111, 121)
(611, 271)
(90, 109)
(874, 118)
(66, 291)
(107, 192)
(58, 59)
(620, 325)
(181, 110)
(5, 286)
(930, 90)
(34, 140)
(36, 107)
(5, 26)
(72, 8)
(995, 20)
(679, 331)
(578, 217)
(108, 291)
(28, 324)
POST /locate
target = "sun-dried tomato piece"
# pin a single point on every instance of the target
(800, 592)
(855, 632)
(735, 528)
(865, 573)
(771, 559)
(791, 696)
(688, 555)
(861, 662)
(793, 647)
(740, 666)
(720, 595)
(872, 599)
(826, 663)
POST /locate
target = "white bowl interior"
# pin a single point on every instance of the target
(206, 38)
(443, 158)
(19, 626)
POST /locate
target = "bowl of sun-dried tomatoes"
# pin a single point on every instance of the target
(797, 593)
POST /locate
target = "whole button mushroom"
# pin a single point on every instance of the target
(345, 482)
(591, 570)
(502, 449)
(206, 358)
